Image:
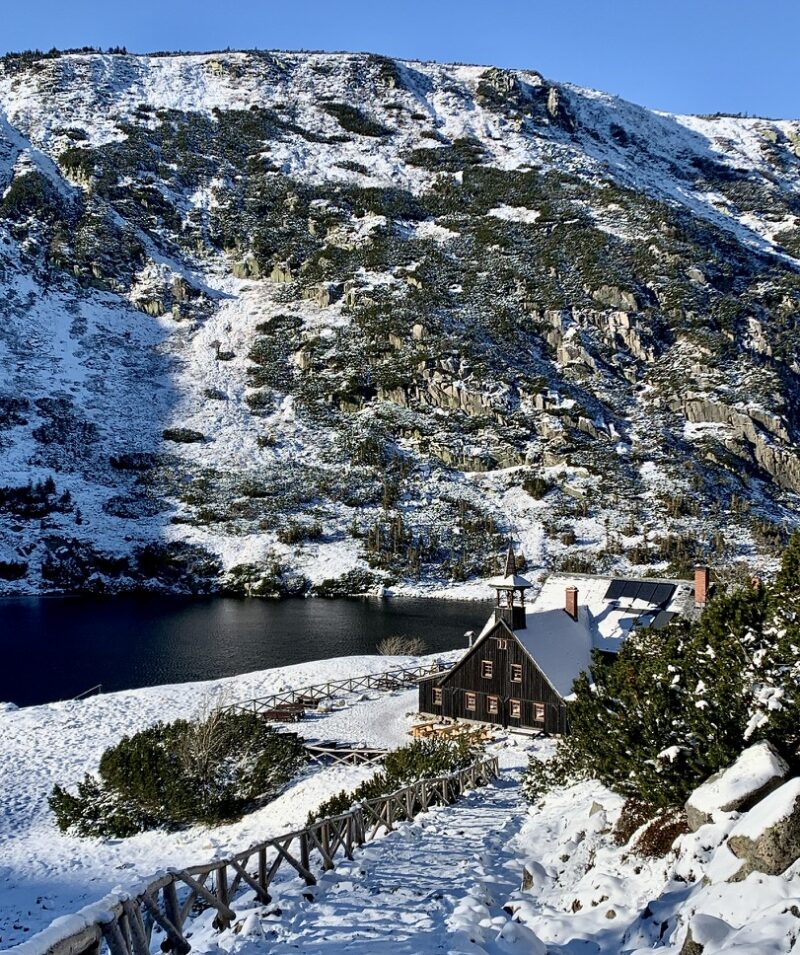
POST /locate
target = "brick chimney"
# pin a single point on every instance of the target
(571, 605)
(702, 581)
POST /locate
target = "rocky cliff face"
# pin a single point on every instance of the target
(279, 320)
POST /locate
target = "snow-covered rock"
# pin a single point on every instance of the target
(704, 930)
(757, 771)
(767, 838)
(534, 876)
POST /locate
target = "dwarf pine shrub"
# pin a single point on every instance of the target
(421, 759)
(175, 774)
(679, 704)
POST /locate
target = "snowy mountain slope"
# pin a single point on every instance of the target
(274, 319)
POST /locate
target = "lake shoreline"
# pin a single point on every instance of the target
(58, 647)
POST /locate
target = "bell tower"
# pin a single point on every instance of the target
(510, 590)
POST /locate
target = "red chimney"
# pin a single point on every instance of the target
(572, 602)
(702, 580)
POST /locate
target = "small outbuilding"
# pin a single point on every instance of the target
(520, 670)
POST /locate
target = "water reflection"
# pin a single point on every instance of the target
(56, 647)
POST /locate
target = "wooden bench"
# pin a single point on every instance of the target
(285, 713)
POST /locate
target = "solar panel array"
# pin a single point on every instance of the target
(649, 592)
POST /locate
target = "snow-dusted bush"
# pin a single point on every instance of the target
(354, 582)
(421, 759)
(542, 775)
(174, 774)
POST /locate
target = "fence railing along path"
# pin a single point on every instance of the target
(345, 755)
(124, 922)
(388, 680)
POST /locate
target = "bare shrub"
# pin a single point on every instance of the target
(657, 839)
(402, 646)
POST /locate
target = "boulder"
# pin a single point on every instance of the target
(324, 294)
(282, 273)
(757, 771)
(704, 930)
(767, 838)
(616, 298)
(534, 876)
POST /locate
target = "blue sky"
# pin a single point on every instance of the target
(681, 55)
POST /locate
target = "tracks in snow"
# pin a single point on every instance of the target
(437, 884)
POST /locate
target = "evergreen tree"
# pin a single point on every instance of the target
(678, 705)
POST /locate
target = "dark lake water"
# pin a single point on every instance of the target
(53, 648)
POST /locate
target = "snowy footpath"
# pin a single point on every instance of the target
(437, 884)
(447, 882)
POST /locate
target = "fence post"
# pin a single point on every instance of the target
(112, 933)
(304, 853)
(222, 887)
(350, 838)
(171, 908)
(139, 943)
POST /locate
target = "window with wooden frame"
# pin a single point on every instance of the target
(487, 669)
(516, 673)
(437, 696)
(538, 712)
(502, 643)
(515, 709)
(470, 701)
(492, 705)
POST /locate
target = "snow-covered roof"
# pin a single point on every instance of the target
(510, 581)
(562, 646)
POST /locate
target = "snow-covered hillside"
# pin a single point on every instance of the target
(490, 874)
(275, 320)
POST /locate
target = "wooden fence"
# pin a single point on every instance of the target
(345, 755)
(388, 680)
(124, 923)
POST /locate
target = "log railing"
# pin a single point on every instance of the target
(345, 755)
(395, 679)
(123, 923)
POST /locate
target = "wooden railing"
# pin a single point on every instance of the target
(388, 680)
(345, 755)
(124, 922)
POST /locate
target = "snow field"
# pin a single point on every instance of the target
(44, 874)
(447, 882)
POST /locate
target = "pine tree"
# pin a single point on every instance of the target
(680, 704)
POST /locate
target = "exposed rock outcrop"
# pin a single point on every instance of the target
(759, 429)
(767, 838)
(758, 771)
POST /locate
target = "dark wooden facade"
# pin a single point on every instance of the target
(496, 681)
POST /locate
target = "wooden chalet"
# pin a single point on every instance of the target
(520, 670)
